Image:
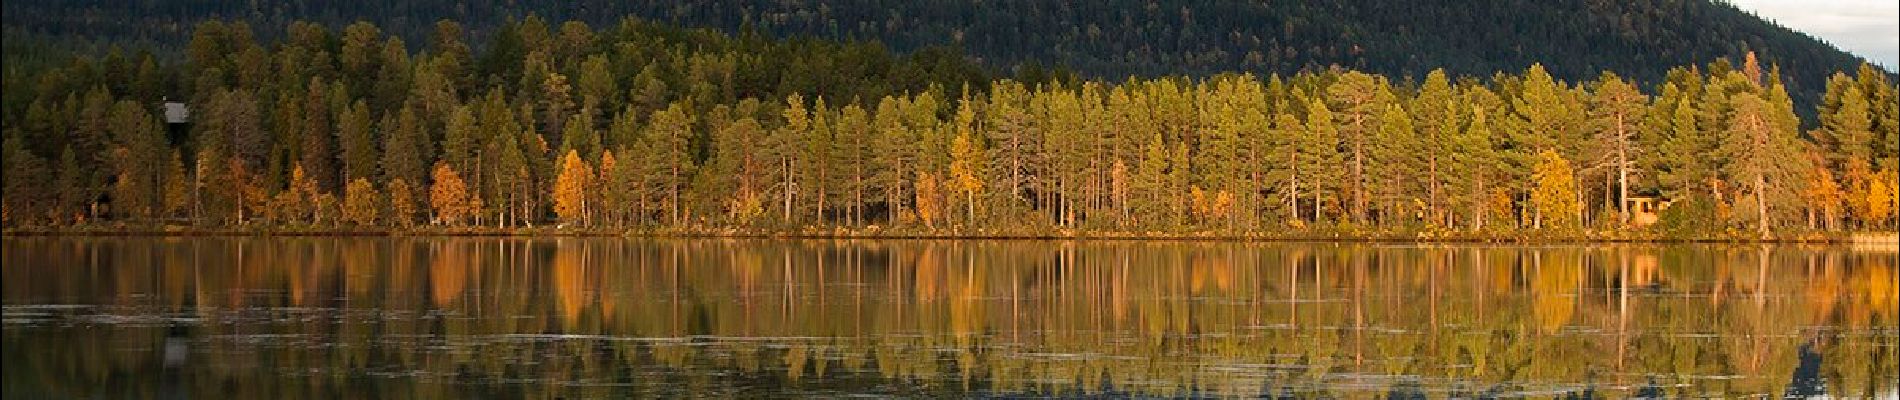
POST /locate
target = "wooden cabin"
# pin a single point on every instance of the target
(1645, 210)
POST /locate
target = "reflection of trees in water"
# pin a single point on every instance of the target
(564, 316)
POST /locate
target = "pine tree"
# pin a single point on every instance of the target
(461, 139)
(1757, 154)
(580, 136)
(816, 153)
(358, 147)
(1616, 109)
(597, 86)
(784, 147)
(1320, 156)
(503, 176)
(392, 76)
(557, 105)
(22, 189)
(1848, 128)
(1227, 113)
(671, 131)
(1394, 172)
(1178, 178)
(1359, 98)
(1434, 113)
(1067, 149)
(1551, 113)
(850, 154)
(640, 176)
(139, 146)
(1473, 166)
(358, 54)
(406, 146)
(1290, 151)
(1681, 170)
(317, 152)
(891, 162)
(1150, 187)
(739, 147)
(648, 92)
(72, 194)
(91, 143)
(1007, 127)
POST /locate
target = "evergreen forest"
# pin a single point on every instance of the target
(644, 126)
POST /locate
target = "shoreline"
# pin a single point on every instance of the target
(1862, 238)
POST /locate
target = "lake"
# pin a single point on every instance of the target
(156, 317)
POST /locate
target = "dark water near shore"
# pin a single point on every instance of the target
(588, 318)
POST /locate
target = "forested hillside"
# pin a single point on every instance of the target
(639, 125)
(1574, 39)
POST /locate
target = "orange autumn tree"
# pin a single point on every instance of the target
(1882, 194)
(1555, 197)
(449, 197)
(361, 203)
(603, 178)
(1822, 195)
(402, 203)
(571, 187)
(929, 199)
(294, 203)
(966, 161)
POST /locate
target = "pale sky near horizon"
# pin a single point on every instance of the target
(1866, 28)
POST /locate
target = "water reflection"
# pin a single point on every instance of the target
(546, 318)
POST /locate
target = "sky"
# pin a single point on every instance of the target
(1867, 28)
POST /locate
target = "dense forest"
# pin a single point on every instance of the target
(1113, 39)
(642, 125)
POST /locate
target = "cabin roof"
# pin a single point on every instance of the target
(177, 113)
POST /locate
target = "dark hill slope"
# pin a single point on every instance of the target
(1105, 38)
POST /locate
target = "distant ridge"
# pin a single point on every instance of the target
(1575, 39)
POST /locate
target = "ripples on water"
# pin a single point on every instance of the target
(584, 318)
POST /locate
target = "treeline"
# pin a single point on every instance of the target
(1103, 38)
(645, 126)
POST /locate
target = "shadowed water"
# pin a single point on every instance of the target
(586, 318)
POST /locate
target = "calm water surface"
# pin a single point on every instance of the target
(586, 318)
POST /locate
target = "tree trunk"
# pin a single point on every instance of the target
(1622, 172)
(1432, 166)
(969, 203)
(673, 196)
(788, 188)
(1477, 209)
(1294, 192)
(1316, 207)
(1358, 173)
(857, 196)
(1761, 205)
(821, 192)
